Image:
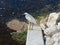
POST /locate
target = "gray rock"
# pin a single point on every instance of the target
(53, 19)
(43, 23)
(58, 26)
(56, 43)
(43, 27)
(49, 41)
(56, 37)
(51, 30)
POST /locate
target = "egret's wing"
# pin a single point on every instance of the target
(33, 19)
(30, 18)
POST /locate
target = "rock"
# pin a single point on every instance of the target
(49, 41)
(43, 27)
(56, 37)
(51, 30)
(56, 43)
(58, 26)
(43, 23)
(59, 42)
(53, 19)
(16, 25)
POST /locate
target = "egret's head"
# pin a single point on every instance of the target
(25, 13)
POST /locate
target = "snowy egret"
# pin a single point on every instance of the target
(31, 20)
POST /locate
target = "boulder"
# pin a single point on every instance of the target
(58, 26)
(17, 25)
(53, 19)
(56, 43)
(43, 23)
(43, 26)
(49, 41)
(51, 30)
(56, 37)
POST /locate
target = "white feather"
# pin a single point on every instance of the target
(30, 18)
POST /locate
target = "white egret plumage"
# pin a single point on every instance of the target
(31, 19)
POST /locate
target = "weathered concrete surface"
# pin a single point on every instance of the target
(34, 37)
